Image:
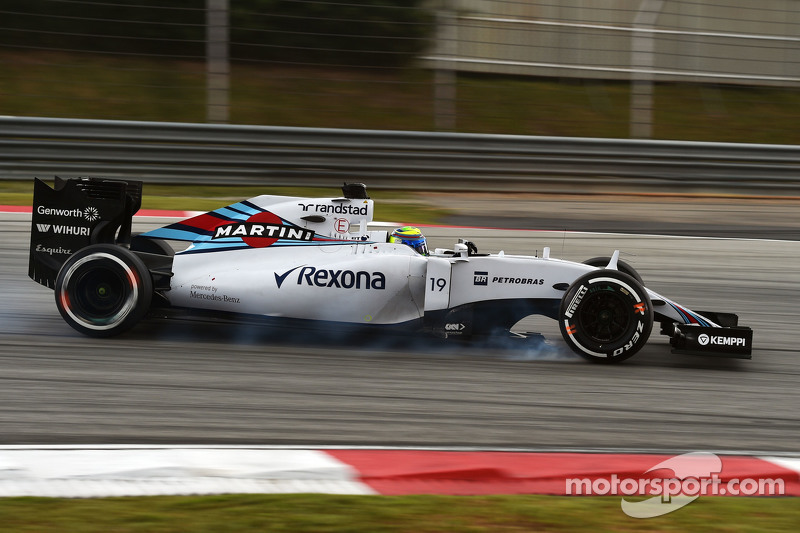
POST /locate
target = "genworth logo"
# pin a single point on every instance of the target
(91, 214)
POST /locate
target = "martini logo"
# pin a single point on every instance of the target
(261, 230)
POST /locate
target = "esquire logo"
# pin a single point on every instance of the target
(339, 279)
(51, 251)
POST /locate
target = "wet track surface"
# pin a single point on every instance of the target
(199, 382)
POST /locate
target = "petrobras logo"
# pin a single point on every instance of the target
(337, 279)
(90, 214)
(480, 278)
(518, 281)
(719, 340)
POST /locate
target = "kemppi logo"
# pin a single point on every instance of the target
(718, 340)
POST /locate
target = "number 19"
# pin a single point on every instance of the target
(438, 282)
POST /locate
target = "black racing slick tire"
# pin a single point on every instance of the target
(606, 316)
(103, 290)
(622, 266)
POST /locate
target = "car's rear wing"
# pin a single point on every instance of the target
(74, 214)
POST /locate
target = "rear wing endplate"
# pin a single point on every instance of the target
(75, 213)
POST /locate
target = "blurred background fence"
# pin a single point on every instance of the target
(705, 70)
(211, 154)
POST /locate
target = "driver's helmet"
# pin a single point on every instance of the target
(410, 236)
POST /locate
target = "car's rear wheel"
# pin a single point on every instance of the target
(103, 290)
(606, 316)
(151, 246)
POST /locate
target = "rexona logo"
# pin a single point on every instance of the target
(262, 229)
(339, 279)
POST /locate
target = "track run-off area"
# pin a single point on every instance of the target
(192, 382)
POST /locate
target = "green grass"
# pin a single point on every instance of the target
(391, 206)
(139, 88)
(377, 514)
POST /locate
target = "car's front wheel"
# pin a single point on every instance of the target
(103, 290)
(606, 316)
(622, 266)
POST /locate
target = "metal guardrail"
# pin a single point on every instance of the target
(184, 153)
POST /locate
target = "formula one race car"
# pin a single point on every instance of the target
(315, 259)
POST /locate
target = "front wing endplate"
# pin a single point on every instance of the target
(734, 342)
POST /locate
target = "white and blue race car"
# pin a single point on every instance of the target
(315, 259)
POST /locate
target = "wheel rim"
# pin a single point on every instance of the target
(99, 291)
(604, 317)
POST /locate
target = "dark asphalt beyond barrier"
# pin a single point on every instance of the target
(753, 218)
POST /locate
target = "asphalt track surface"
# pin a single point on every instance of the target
(182, 382)
(699, 216)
